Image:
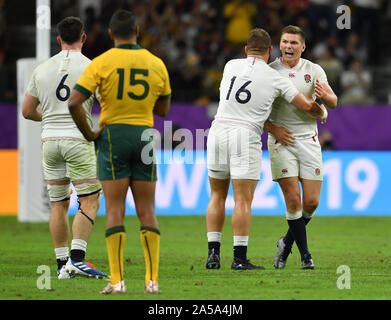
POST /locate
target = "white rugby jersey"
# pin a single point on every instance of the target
(284, 114)
(51, 83)
(247, 91)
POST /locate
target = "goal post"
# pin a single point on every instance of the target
(33, 200)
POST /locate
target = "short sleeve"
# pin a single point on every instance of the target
(166, 89)
(89, 80)
(320, 74)
(286, 89)
(32, 87)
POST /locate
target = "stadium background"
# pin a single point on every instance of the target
(195, 39)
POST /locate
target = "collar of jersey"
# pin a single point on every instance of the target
(129, 46)
(296, 67)
(256, 59)
(66, 51)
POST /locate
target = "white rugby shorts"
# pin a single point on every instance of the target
(70, 159)
(233, 151)
(303, 159)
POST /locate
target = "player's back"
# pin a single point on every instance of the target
(130, 80)
(248, 89)
(52, 82)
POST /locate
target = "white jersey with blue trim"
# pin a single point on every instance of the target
(247, 91)
(303, 77)
(51, 83)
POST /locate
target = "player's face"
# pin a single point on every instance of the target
(291, 46)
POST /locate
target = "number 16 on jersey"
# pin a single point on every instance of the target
(242, 90)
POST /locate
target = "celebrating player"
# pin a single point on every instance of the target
(295, 152)
(133, 85)
(67, 155)
(234, 149)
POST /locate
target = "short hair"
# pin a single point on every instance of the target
(70, 29)
(258, 41)
(123, 24)
(294, 30)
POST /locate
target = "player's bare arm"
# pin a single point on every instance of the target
(30, 108)
(162, 107)
(281, 134)
(79, 115)
(310, 106)
(324, 92)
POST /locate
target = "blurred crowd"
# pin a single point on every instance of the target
(195, 38)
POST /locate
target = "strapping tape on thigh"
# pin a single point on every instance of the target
(59, 192)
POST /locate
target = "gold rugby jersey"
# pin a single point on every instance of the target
(130, 80)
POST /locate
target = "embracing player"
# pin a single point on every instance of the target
(295, 152)
(234, 148)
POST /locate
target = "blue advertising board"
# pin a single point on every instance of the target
(355, 183)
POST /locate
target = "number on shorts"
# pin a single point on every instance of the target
(242, 89)
(63, 86)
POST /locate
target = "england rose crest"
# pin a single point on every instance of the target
(307, 78)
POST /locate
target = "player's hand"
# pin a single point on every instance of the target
(97, 133)
(320, 93)
(283, 136)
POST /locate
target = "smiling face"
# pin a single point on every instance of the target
(291, 46)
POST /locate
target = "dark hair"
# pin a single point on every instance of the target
(123, 24)
(258, 41)
(70, 29)
(294, 30)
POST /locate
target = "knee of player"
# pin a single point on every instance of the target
(89, 195)
(244, 204)
(310, 205)
(146, 212)
(217, 199)
(293, 204)
(90, 203)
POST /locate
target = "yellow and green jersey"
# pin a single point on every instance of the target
(130, 80)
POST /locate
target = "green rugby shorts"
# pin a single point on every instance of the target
(124, 150)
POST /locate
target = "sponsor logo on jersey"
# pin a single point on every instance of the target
(317, 171)
(292, 75)
(284, 171)
(307, 78)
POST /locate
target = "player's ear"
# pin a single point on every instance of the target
(303, 48)
(269, 54)
(59, 41)
(111, 34)
(83, 38)
(245, 50)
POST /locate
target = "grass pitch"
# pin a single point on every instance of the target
(361, 243)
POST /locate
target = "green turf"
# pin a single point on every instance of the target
(362, 243)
